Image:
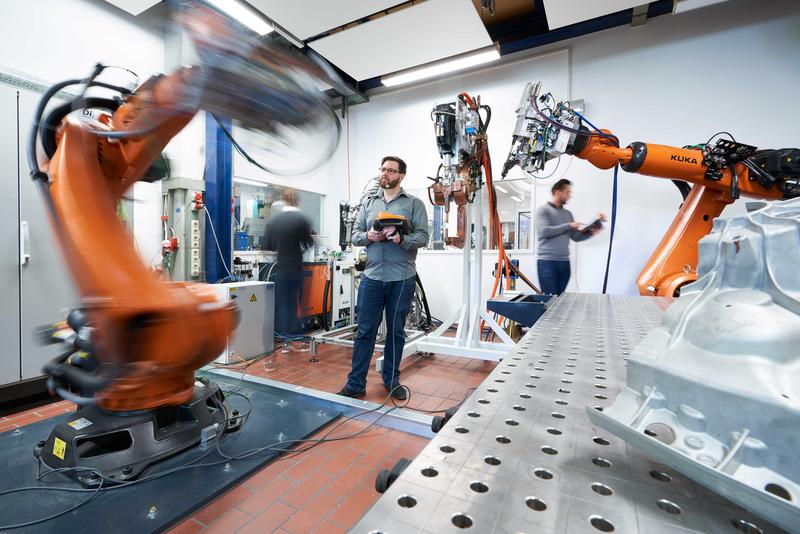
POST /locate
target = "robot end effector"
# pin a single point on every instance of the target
(545, 129)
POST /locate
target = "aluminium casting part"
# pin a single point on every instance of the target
(713, 390)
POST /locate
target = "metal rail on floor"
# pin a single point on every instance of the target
(388, 416)
(345, 337)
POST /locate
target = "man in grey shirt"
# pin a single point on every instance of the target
(389, 280)
(555, 227)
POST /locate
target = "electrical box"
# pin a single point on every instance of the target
(187, 224)
(255, 334)
(344, 293)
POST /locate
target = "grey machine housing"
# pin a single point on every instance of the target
(714, 390)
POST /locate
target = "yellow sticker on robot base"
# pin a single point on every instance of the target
(253, 298)
(59, 448)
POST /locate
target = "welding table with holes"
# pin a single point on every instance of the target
(521, 454)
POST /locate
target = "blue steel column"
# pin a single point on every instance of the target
(219, 190)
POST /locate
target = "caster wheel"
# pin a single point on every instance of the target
(387, 477)
(382, 481)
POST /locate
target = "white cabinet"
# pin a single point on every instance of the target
(37, 287)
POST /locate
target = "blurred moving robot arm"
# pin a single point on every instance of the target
(719, 174)
(148, 337)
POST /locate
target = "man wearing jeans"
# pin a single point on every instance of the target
(555, 227)
(389, 279)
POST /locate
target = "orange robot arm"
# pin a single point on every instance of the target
(674, 262)
(148, 337)
(546, 129)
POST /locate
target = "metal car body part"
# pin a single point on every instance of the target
(714, 390)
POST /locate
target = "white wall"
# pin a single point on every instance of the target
(53, 40)
(676, 80)
(59, 39)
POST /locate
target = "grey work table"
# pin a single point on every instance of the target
(521, 454)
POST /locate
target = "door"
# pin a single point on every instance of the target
(46, 288)
(9, 238)
(524, 225)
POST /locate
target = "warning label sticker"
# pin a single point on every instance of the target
(78, 424)
(253, 297)
(59, 448)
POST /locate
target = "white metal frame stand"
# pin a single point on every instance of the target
(467, 341)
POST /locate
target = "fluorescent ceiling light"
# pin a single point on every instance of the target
(682, 6)
(465, 61)
(250, 182)
(500, 189)
(243, 14)
(516, 199)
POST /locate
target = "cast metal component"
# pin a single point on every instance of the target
(713, 391)
(521, 455)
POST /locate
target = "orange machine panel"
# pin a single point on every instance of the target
(313, 290)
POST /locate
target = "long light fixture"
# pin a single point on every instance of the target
(516, 199)
(500, 189)
(464, 61)
(682, 6)
(243, 14)
(250, 182)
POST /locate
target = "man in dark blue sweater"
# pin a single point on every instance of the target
(289, 233)
(555, 227)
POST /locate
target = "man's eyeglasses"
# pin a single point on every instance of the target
(390, 172)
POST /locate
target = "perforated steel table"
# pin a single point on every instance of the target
(522, 456)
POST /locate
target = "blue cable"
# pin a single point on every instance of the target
(613, 200)
(596, 129)
(613, 225)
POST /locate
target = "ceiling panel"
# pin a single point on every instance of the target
(134, 6)
(505, 11)
(565, 12)
(307, 18)
(419, 34)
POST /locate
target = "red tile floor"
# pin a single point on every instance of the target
(330, 487)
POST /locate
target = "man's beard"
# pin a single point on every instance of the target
(389, 183)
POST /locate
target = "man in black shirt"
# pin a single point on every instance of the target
(288, 233)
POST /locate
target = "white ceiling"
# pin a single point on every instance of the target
(419, 34)
(565, 12)
(307, 18)
(411, 36)
(134, 7)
